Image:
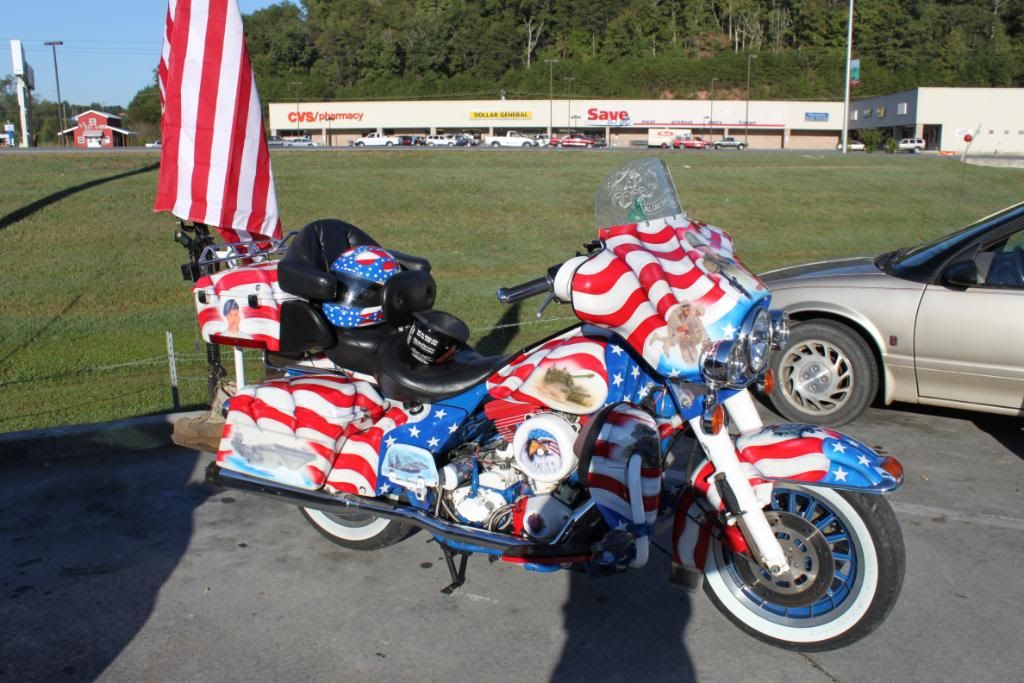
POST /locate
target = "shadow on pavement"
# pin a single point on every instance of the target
(85, 545)
(628, 627)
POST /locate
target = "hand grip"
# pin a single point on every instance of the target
(510, 295)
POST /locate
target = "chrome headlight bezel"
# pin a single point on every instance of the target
(724, 362)
(756, 335)
(780, 329)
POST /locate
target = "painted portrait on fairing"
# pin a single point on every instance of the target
(232, 313)
(686, 333)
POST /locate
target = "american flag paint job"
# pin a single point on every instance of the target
(567, 373)
(790, 452)
(261, 325)
(627, 431)
(668, 287)
(294, 430)
(214, 163)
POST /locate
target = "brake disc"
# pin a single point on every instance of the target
(811, 564)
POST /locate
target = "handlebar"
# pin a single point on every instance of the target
(510, 295)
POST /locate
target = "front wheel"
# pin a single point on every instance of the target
(357, 530)
(848, 561)
(825, 375)
(741, 146)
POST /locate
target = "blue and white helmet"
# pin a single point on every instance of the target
(361, 273)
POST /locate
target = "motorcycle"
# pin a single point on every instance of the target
(556, 458)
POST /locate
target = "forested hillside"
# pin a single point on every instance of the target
(628, 48)
(403, 49)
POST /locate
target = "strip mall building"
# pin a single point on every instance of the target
(938, 115)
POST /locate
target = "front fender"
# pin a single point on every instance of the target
(816, 455)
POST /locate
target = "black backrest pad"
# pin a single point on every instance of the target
(406, 293)
(306, 269)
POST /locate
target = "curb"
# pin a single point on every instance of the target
(54, 443)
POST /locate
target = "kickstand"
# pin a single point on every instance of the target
(458, 577)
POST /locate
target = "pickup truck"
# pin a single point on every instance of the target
(509, 139)
(730, 143)
(377, 140)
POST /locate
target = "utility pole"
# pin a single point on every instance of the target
(846, 96)
(298, 122)
(711, 115)
(568, 116)
(746, 121)
(56, 75)
(551, 92)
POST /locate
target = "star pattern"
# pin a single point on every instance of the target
(840, 474)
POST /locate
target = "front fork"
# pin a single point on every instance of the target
(741, 504)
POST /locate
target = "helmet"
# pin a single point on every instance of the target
(361, 273)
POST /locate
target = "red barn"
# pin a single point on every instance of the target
(97, 129)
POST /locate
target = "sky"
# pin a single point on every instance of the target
(110, 48)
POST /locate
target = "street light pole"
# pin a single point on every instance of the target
(711, 116)
(56, 75)
(846, 96)
(568, 116)
(746, 120)
(298, 121)
(551, 92)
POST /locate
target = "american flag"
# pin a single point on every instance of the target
(214, 163)
(667, 286)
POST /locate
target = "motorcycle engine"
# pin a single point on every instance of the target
(522, 478)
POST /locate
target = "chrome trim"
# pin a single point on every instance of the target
(780, 328)
(229, 252)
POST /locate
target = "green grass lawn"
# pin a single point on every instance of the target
(91, 282)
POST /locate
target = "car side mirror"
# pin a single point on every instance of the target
(961, 274)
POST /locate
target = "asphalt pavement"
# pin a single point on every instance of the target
(124, 566)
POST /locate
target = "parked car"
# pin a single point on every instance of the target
(726, 143)
(937, 324)
(300, 141)
(406, 140)
(852, 146)
(542, 139)
(153, 145)
(463, 140)
(511, 138)
(914, 145)
(275, 141)
(572, 140)
(440, 141)
(695, 142)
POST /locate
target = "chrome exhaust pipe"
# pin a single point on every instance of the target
(319, 500)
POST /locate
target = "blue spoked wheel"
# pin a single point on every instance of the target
(847, 563)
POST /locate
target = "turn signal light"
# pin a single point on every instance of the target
(717, 419)
(768, 381)
(893, 467)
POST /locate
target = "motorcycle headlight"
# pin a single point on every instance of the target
(723, 362)
(780, 329)
(759, 339)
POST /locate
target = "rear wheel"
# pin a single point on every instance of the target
(357, 530)
(848, 561)
(495, 144)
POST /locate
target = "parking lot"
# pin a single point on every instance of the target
(125, 566)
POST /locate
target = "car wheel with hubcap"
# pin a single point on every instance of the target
(847, 563)
(825, 375)
(357, 530)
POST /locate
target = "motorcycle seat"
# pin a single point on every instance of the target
(402, 379)
(305, 270)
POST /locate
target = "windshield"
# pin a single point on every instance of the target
(921, 260)
(666, 284)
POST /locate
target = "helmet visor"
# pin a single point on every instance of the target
(357, 293)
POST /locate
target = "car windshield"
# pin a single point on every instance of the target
(910, 260)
